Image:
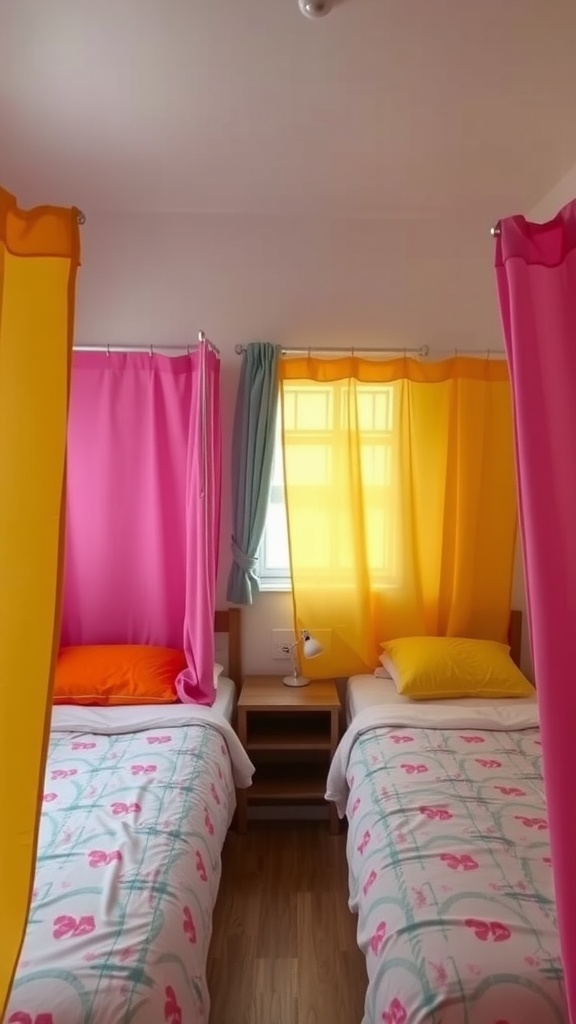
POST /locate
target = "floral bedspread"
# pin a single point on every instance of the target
(127, 876)
(450, 874)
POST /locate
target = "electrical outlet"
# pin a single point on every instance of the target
(280, 652)
(281, 640)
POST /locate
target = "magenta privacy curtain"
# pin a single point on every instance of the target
(143, 506)
(536, 275)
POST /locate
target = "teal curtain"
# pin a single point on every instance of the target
(252, 453)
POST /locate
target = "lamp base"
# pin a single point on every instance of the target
(295, 681)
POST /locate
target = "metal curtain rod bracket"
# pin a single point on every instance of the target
(80, 215)
(495, 231)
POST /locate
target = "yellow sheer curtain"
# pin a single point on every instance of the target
(401, 502)
(39, 255)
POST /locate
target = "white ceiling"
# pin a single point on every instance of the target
(385, 108)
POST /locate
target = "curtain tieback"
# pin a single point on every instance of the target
(242, 560)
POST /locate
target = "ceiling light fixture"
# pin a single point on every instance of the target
(315, 8)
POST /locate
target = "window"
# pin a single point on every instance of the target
(273, 554)
(317, 423)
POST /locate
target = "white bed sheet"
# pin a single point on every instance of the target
(225, 698)
(371, 691)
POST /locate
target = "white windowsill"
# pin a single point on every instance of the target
(269, 584)
(282, 585)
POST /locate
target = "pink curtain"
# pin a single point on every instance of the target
(143, 506)
(536, 275)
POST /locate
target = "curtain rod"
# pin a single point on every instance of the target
(151, 349)
(422, 351)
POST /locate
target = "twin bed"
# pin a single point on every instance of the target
(136, 807)
(449, 861)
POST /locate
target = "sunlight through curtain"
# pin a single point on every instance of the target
(39, 255)
(401, 503)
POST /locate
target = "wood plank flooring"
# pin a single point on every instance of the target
(284, 942)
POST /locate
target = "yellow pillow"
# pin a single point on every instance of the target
(438, 668)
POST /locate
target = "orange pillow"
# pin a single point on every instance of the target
(117, 674)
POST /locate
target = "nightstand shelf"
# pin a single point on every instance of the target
(305, 782)
(288, 732)
(291, 736)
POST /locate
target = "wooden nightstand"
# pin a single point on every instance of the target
(291, 736)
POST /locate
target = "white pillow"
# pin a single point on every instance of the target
(387, 671)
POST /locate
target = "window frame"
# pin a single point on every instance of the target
(273, 579)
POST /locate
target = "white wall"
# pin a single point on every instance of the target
(562, 192)
(158, 279)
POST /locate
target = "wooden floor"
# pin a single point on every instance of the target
(284, 943)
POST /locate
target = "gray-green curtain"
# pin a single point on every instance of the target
(252, 454)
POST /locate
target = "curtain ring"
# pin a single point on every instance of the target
(309, 352)
(487, 353)
(187, 350)
(151, 351)
(456, 353)
(108, 351)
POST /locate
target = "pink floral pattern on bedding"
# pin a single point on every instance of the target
(127, 876)
(450, 876)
